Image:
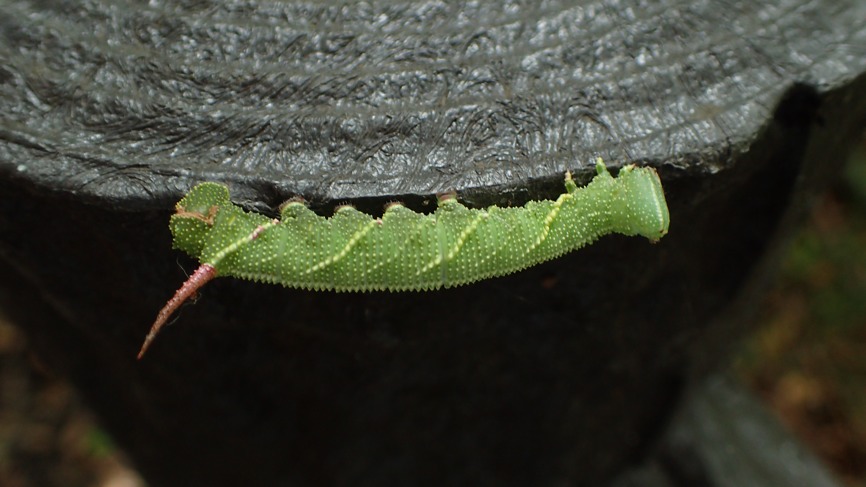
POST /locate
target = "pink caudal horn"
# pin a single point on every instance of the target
(199, 278)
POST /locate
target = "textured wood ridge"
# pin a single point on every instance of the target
(336, 100)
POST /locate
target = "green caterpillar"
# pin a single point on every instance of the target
(404, 250)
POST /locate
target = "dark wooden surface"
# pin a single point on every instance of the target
(560, 375)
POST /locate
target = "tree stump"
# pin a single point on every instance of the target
(559, 375)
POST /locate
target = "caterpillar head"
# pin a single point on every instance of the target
(644, 201)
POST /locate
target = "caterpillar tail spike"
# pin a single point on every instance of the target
(199, 278)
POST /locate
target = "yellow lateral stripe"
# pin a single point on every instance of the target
(460, 241)
(346, 249)
(548, 221)
(241, 241)
(466, 233)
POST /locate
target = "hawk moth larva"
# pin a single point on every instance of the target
(404, 250)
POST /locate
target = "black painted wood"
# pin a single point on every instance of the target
(110, 111)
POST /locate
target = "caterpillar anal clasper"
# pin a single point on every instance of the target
(404, 250)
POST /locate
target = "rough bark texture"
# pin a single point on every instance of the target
(559, 375)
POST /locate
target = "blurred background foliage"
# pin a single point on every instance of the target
(807, 358)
